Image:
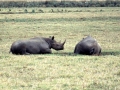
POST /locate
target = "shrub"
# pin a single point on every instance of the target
(26, 11)
(33, 11)
(63, 3)
(41, 11)
(9, 10)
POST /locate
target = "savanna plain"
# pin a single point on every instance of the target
(61, 70)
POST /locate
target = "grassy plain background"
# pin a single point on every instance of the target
(61, 70)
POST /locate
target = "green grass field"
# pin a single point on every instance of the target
(61, 70)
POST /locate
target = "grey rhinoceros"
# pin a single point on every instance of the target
(88, 46)
(37, 45)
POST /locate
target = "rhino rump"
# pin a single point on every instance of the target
(88, 46)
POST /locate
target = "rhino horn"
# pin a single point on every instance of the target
(64, 42)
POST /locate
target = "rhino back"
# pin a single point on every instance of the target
(36, 46)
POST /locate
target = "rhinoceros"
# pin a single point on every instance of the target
(88, 46)
(37, 45)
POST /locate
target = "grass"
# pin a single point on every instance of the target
(61, 70)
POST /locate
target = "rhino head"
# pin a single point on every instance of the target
(57, 45)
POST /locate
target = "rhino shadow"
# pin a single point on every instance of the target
(65, 54)
(104, 53)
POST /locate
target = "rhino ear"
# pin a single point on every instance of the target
(52, 37)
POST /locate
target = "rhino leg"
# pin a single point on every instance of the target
(22, 51)
(46, 51)
(92, 51)
(97, 53)
(25, 53)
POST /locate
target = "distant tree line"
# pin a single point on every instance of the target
(91, 3)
